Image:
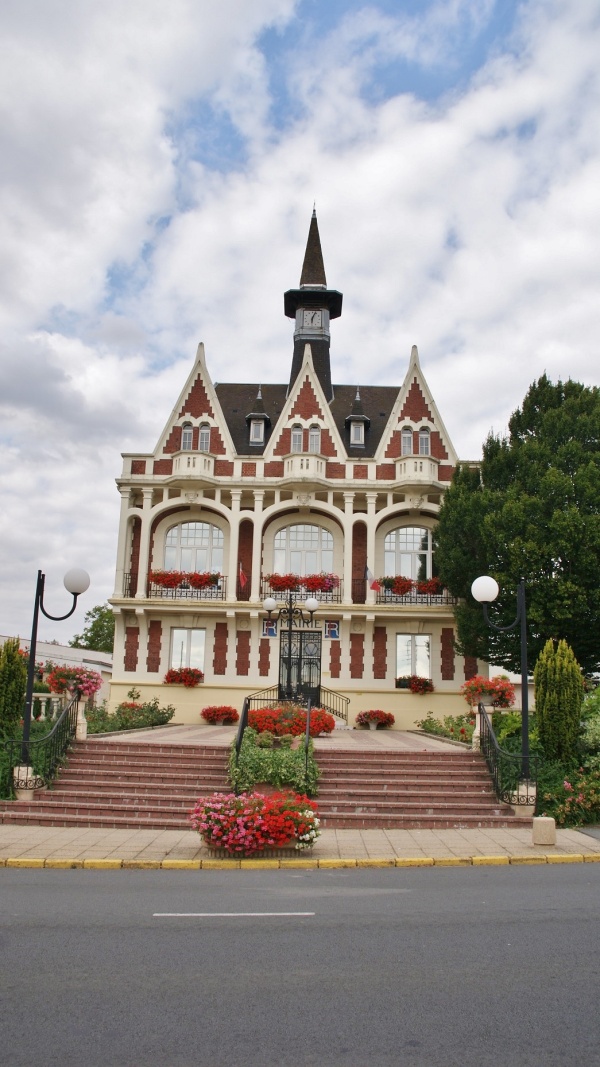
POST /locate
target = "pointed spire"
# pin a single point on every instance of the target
(258, 409)
(313, 268)
(357, 413)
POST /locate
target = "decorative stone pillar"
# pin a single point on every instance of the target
(81, 728)
(234, 534)
(348, 529)
(144, 544)
(257, 544)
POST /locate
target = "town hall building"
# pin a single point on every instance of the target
(280, 537)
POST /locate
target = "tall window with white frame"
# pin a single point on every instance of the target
(194, 546)
(204, 438)
(296, 443)
(407, 441)
(424, 442)
(257, 431)
(187, 648)
(314, 439)
(413, 655)
(408, 551)
(303, 549)
(357, 433)
(186, 437)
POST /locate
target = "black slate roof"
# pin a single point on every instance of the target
(238, 400)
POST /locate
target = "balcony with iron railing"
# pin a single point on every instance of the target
(330, 590)
(183, 589)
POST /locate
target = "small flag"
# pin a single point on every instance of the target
(243, 579)
(373, 583)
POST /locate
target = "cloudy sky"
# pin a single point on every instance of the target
(159, 164)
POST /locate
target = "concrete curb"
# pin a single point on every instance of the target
(302, 863)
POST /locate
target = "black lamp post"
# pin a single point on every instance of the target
(485, 590)
(76, 581)
(291, 613)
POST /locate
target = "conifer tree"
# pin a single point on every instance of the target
(13, 679)
(558, 698)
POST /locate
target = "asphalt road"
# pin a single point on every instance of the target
(426, 967)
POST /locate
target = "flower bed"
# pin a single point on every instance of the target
(219, 713)
(291, 720)
(187, 676)
(382, 718)
(130, 715)
(455, 727)
(249, 823)
(284, 767)
(415, 683)
(499, 692)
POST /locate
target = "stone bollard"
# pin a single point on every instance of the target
(81, 728)
(543, 831)
(24, 782)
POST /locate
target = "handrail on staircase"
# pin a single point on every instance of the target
(507, 768)
(306, 742)
(42, 757)
(242, 726)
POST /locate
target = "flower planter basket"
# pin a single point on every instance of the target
(415, 684)
(253, 824)
(190, 677)
(188, 579)
(219, 713)
(375, 718)
(281, 583)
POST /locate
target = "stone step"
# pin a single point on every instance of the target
(199, 783)
(423, 822)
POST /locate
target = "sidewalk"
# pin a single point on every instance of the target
(37, 846)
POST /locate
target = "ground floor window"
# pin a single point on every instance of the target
(413, 655)
(187, 648)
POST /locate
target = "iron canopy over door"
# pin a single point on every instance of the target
(300, 666)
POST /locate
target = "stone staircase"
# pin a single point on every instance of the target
(409, 790)
(141, 785)
(137, 785)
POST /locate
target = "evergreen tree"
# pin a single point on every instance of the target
(558, 699)
(99, 633)
(13, 680)
(531, 511)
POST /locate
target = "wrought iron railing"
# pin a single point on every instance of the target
(387, 596)
(128, 589)
(40, 758)
(324, 596)
(306, 743)
(242, 726)
(335, 703)
(514, 776)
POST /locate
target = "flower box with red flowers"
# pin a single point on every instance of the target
(382, 718)
(191, 579)
(320, 583)
(187, 676)
(499, 692)
(290, 720)
(415, 684)
(281, 583)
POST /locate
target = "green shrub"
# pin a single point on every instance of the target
(591, 735)
(13, 680)
(280, 767)
(558, 700)
(130, 715)
(455, 727)
(569, 793)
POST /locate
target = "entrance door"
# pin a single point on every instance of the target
(300, 666)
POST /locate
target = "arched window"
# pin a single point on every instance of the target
(194, 546)
(297, 433)
(186, 437)
(204, 438)
(408, 551)
(303, 549)
(407, 441)
(314, 439)
(424, 436)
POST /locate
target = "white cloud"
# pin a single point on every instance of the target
(468, 226)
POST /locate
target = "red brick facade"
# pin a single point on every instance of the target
(173, 442)
(361, 470)
(306, 406)
(134, 562)
(273, 470)
(327, 446)
(163, 466)
(138, 466)
(154, 645)
(335, 658)
(359, 562)
(385, 472)
(223, 468)
(264, 656)
(335, 470)
(447, 654)
(248, 470)
(357, 655)
(132, 644)
(437, 448)
(470, 667)
(379, 652)
(242, 660)
(220, 648)
(415, 407)
(283, 445)
(197, 402)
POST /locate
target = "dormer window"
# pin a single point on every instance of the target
(204, 438)
(357, 433)
(407, 441)
(296, 443)
(186, 437)
(257, 431)
(424, 443)
(314, 439)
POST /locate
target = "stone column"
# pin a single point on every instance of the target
(122, 543)
(257, 545)
(234, 536)
(371, 526)
(348, 530)
(144, 544)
